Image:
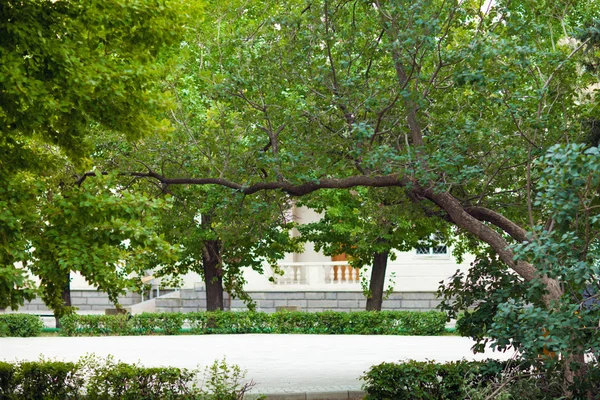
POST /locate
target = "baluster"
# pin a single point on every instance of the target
(327, 270)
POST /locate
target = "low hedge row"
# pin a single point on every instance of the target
(222, 322)
(98, 379)
(470, 380)
(20, 325)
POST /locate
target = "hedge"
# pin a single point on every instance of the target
(20, 325)
(98, 379)
(223, 322)
(464, 380)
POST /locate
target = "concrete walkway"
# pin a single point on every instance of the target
(301, 364)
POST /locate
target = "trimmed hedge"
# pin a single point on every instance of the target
(467, 380)
(427, 380)
(99, 379)
(20, 325)
(222, 322)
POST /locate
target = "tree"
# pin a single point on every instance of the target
(368, 224)
(452, 101)
(66, 69)
(103, 231)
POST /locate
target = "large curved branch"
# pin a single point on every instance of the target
(287, 187)
(485, 214)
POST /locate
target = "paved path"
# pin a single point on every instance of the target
(277, 363)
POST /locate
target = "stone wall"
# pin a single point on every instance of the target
(189, 300)
(85, 300)
(195, 300)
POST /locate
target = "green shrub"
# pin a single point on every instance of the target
(95, 325)
(474, 380)
(227, 322)
(20, 325)
(416, 380)
(7, 380)
(150, 323)
(124, 381)
(103, 379)
(48, 380)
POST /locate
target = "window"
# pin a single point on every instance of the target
(434, 248)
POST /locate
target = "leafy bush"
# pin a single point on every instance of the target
(7, 380)
(112, 380)
(416, 380)
(20, 325)
(475, 380)
(48, 380)
(223, 322)
(149, 323)
(103, 379)
(95, 325)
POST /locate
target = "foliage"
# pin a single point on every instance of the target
(150, 323)
(104, 232)
(47, 380)
(97, 378)
(455, 103)
(20, 325)
(69, 70)
(363, 222)
(462, 380)
(508, 312)
(117, 380)
(326, 322)
(224, 382)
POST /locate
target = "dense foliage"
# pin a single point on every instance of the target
(471, 380)
(70, 71)
(104, 379)
(20, 325)
(327, 322)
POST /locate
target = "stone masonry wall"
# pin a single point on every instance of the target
(85, 300)
(195, 300)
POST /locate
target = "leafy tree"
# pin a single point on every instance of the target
(67, 68)
(368, 224)
(452, 101)
(108, 235)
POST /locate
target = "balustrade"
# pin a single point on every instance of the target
(332, 273)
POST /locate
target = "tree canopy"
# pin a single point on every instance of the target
(456, 102)
(69, 70)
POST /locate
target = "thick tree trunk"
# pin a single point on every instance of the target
(376, 286)
(213, 276)
(66, 298)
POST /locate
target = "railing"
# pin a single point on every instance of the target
(328, 273)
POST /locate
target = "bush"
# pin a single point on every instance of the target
(95, 325)
(224, 322)
(124, 381)
(475, 380)
(149, 323)
(20, 325)
(7, 380)
(416, 380)
(103, 379)
(48, 380)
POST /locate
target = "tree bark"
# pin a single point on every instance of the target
(376, 286)
(213, 276)
(66, 298)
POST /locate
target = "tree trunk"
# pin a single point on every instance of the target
(376, 286)
(66, 298)
(213, 276)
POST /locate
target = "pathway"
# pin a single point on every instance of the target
(277, 363)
